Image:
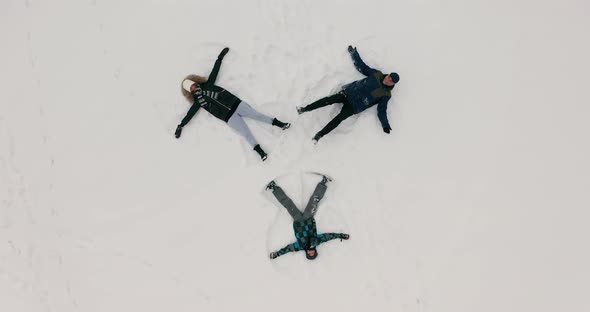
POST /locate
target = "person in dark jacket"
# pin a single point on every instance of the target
(203, 93)
(357, 96)
(304, 224)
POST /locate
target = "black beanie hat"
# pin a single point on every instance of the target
(394, 77)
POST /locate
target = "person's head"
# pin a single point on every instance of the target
(189, 85)
(391, 79)
(311, 253)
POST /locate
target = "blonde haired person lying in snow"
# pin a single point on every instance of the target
(203, 93)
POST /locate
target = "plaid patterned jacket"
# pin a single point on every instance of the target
(307, 237)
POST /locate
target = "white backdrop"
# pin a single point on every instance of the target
(477, 200)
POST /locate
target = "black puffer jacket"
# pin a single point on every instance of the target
(214, 99)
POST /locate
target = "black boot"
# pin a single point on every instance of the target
(300, 110)
(260, 152)
(271, 186)
(280, 124)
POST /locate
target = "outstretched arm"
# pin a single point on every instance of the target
(358, 62)
(330, 236)
(189, 115)
(286, 249)
(191, 112)
(215, 71)
(382, 114)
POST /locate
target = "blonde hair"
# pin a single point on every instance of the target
(195, 78)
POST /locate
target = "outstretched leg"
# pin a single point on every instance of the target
(237, 123)
(245, 110)
(280, 195)
(336, 98)
(344, 113)
(316, 197)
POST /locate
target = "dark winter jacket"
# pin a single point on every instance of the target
(214, 99)
(370, 91)
(307, 237)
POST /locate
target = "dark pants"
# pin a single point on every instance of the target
(312, 204)
(346, 111)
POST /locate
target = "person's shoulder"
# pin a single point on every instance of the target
(382, 93)
(377, 74)
(213, 87)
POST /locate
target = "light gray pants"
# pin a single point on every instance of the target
(312, 204)
(236, 121)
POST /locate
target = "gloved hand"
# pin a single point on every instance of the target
(178, 131)
(387, 129)
(345, 236)
(351, 49)
(273, 255)
(223, 52)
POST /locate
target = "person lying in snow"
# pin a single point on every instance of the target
(358, 96)
(303, 222)
(202, 92)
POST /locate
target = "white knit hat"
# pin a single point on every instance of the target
(186, 84)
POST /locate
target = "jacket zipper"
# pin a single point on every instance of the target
(220, 104)
(229, 109)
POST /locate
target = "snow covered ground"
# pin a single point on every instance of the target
(477, 200)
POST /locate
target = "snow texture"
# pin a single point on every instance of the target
(476, 201)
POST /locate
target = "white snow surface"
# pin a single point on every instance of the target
(477, 200)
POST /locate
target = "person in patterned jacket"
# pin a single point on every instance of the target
(357, 96)
(203, 93)
(304, 224)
